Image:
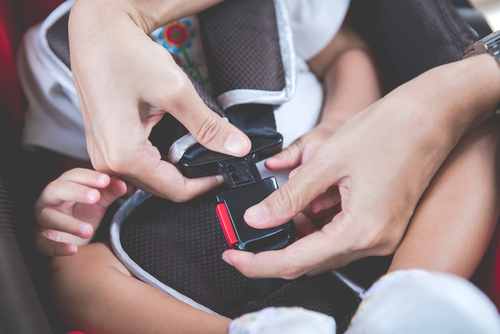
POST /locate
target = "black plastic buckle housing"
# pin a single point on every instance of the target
(246, 188)
(209, 163)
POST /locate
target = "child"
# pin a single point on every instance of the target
(88, 285)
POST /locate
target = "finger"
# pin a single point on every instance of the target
(304, 225)
(116, 189)
(50, 218)
(50, 247)
(288, 158)
(169, 183)
(209, 129)
(326, 200)
(60, 191)
(304, 255)
(86, 177)
(323, 217)
(142, 166)
(310, 181)
(294, 172)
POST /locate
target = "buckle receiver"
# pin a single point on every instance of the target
(246, 188)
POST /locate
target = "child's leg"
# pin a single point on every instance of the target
(453, 224)
(93, 292)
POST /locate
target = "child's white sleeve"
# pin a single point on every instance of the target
(53, 119)
(314, 23)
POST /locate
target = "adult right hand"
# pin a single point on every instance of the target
(377, 165)
(126, 83)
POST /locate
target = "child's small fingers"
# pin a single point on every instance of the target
(321, 216)
(116, 188)
(326, 200)
(50, 218)
(304, 225)
(86, 177)
(60, 191)
(309, 150)
(289, 157)
(50, 247)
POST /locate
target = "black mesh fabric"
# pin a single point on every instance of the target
(242, 48)
(411, 37)
(58, 39)
(181, 245)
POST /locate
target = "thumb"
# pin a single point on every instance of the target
(208, 128)
(287, 201)
(317, 252)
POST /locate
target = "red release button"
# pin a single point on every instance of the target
(225, 223)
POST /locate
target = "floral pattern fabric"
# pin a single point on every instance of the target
(182, 39)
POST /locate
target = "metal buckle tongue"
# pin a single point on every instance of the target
(247, 189)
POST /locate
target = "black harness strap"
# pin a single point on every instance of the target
(241, 43)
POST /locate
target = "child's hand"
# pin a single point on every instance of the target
(70, 209)
(301, 149)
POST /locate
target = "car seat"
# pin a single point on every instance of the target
(10, 102)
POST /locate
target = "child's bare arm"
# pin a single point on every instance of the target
(352, 83)
(454, 221)
(93, 292)
(350, 73)
(70, 209)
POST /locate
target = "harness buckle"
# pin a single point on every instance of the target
(246, 188)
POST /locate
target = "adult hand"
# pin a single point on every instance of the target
(381, 161)
(302, 149)
(126, 83)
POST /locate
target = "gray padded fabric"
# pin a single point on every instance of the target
(58, 39)
(242, 46)
(168, 129)
(411, 37)
(181, 244)
(205, 95)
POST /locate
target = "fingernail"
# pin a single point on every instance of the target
(71, 249)
(102, 179)
(226, 259)
(292, 173)
(92, 195)
(85, 230)
(219, 178)
(235, 144)
(257, 213)
(316, 207)
(272, 160)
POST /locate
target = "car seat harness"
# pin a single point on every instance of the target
(177, 247)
